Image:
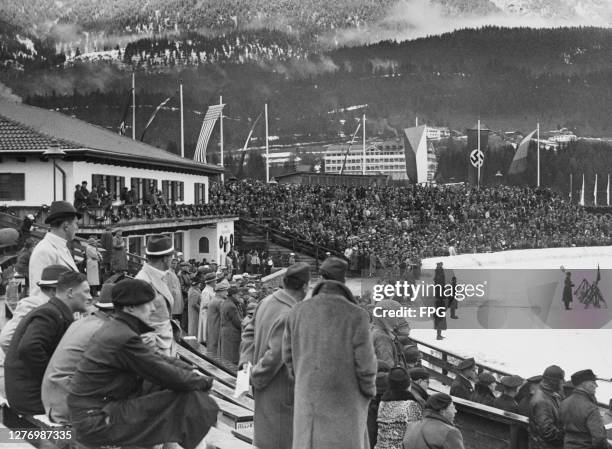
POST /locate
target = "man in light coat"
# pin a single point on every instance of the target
(213, 322)
(208, 294)
(328, 349)
(53, 248)
(159, 253)
(262, 346)
(436, 430)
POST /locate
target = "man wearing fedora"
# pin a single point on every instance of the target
(106, 401)
(159, 254)
(208, 294)
(262, 346)
(584, 427)
(53, 248)
(54, 389)
(35, 339)
(46, 285)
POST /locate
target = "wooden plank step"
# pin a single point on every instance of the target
(234, 416)
(245, 435)
(220, 437)
(212, 370)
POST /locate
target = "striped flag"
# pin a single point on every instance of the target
(519, 161)
(213, 113)
(161, 105)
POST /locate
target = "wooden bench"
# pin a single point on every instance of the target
(234, 416)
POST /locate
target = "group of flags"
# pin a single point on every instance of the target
(595, 189)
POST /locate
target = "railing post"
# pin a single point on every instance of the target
(445, 360)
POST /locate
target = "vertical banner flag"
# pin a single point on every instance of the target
(519, 161)
(582, 192)
(595, 191)
(126, 111)
(161, 105)
(212, 115)
(608, 190)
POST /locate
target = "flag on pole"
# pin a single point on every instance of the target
(595, 191)
(248, 139)
(126, 111)
(582, 192)
(598, 275)
(212, 115)
(161, 105)
(519, 161)
(608, 190)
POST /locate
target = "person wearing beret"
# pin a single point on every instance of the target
(230, 326)
(328, 350)
(436, 430)
(53, 248)
(483, 392)
(54, 389)
(419, 384)
(159, 254)
(262, 346)
(509, 387)
(582, 422)
(545, 426)
(461, 386)
(106, 403)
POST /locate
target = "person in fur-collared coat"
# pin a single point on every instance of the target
(328, 349)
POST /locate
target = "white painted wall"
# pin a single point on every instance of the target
(223, 229)
(39, 178)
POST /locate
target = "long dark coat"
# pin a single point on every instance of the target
(461, 387)
(567, 290)
(213, 325)
(328, 348)
(231, 325)
(545, 426)
(272, 386)
(483, 394)
(582, 421)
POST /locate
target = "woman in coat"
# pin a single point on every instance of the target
(231, 326)
(93, 264)
(118, 254)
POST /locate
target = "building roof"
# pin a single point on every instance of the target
(28, 129)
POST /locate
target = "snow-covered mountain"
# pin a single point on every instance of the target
(566, 12)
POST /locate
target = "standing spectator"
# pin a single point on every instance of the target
(35, 339)
(231, 326)
(63, 362)
(84, 189)
(506, 400)
(193, 306)
(46, 285)
(439, 320)
(291, 258)
(584, 427)
(22, 267)
(462, 384)
(208, 294)
(213, 322)
(106, 400)
(106, 244)
(397, 409)
(159, 253)
(93, 199)
(262, 346)
(185, 281)
(93, 264)
(545, 425)
(255, 261)
(174, 285)
(53, 248)
(483, 392)
(25, 231)
(333, 363)
(525, 394)
(436, 430)
(119, 253)
(567, 290)
(452, 301)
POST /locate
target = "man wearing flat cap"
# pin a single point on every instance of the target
(582, 422)
(53, 248)
(262, 346)
(159, 254)
(483, 390)
(436, 430)
(328, 338)
(509, 387)
(462, 384)
(106, 403)
(545, 426)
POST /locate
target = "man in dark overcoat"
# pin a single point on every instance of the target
(262, 346)
(545, 426)
(106, 401)
(462, 384)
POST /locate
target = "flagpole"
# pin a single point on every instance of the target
(595, 191)
(608, 189)
(538, 142)
(267, 147)
(133, 106)
(571, 187)
(363, 171)
(479, 153)
(221, 137)
(182, 123)
(416, 121)
(582, 192)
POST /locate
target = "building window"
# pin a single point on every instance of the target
(178, 242)
(113, 184)
(12, 186)
(142, 186)
(173, 191)
(203, 245)
(199, 192)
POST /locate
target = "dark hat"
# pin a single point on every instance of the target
(232, 290)
(61, 209)
(511, 381)
(438, 401)
(105, 300)
(398, 379)
(582, 376)
(184, 264)
(132, 292)
(299, 271)
(486, 378)
(334, 268)
(159, 245)
(554, 372)
(51, 274)
(223, 285)
(382, 382)
(535, 379)
(210, 277)
(467, 364)
(419, 373)
(412, 353)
